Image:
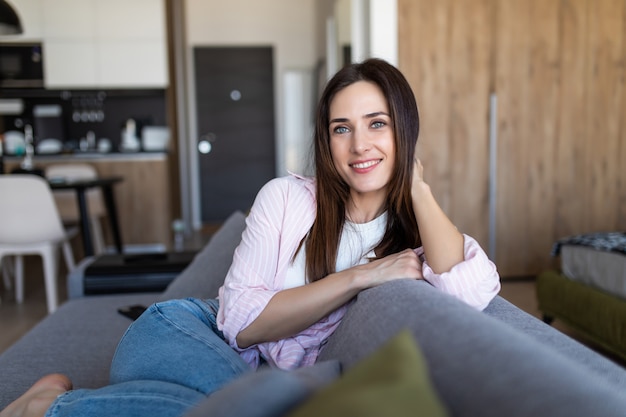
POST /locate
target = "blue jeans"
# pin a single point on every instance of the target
(169, 360)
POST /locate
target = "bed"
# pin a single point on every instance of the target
(588, 293)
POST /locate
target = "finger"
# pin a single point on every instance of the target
(419, 169)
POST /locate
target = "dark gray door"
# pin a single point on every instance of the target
(236, 147)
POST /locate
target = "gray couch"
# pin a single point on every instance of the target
(501, 362)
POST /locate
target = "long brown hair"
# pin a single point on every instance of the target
(333, 193)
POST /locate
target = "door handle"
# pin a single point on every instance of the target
(204, 147)
(205, 144)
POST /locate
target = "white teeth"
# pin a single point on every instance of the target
(365, 164)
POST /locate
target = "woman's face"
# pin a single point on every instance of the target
(362, 140)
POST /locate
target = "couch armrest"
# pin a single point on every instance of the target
(479, 365)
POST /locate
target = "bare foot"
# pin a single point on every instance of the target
(39, 397)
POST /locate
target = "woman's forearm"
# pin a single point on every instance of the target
(291, 311)
(442, 242)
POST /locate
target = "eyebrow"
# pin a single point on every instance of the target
(367, 116)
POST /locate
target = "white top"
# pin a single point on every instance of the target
(356, 247)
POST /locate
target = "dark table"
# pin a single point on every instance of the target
(81, 186)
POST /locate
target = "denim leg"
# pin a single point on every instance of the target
(128, 399)
(178, 342)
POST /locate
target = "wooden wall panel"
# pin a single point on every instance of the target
(571, 139)
(527, 86)
(425, 67)
(470, 57)
(445, 51)
(621, 177)
(604, 80)
(511, 66)
(558, 69)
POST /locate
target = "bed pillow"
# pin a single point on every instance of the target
(393, 381)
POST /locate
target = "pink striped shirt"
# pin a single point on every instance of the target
(282, 214)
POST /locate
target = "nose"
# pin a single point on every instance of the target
(360, 142)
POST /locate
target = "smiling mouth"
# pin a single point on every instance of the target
(367, 164)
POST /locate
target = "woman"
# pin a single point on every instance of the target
(310, 246)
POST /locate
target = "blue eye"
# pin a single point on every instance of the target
(340, 129)
(378, 124)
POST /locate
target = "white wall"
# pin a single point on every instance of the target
(286, 24)
(374, 30)
(384, 30)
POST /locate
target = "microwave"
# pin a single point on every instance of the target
(21, 65)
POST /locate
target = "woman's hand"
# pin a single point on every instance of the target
(418, 186)
(405, 264)
(418, 172)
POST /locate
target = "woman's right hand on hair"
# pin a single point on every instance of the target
(405, 264)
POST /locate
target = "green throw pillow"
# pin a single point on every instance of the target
(393, 381)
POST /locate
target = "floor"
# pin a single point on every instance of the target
(17, 319)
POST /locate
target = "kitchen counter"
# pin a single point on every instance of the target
(92, 156)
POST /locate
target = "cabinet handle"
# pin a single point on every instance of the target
(493, 166)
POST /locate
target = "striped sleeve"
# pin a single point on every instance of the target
(474, 281)
(259, 262)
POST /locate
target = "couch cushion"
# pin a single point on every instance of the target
(529, 325)
(269, 392)
(394, 381)
(78, 340)
(205, 274)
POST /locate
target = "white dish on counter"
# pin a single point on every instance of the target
(49, 146)
(155, 138)
(104, 145)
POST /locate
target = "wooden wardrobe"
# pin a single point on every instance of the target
(556, 69)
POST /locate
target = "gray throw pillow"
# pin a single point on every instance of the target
(205, 274)
(269, 392)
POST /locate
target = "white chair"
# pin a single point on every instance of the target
(66, 199)
(30, 225)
